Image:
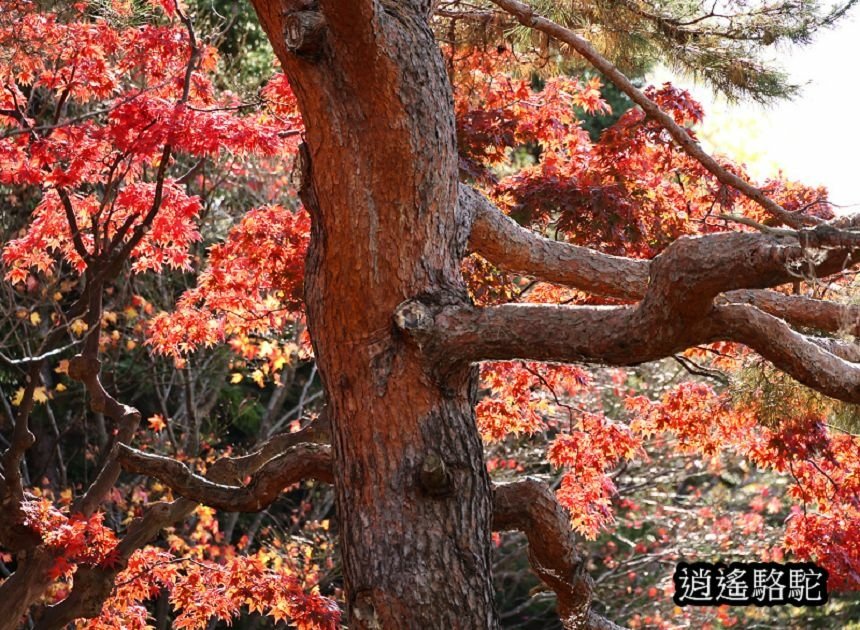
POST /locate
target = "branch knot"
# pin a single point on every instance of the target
(434, 476)
(83, 368)
(413, 316)
(304, 33)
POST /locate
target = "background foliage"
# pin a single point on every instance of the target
(203, 329)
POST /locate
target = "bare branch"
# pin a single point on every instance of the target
(811, 363)
(233, 470)
(31, 578)
(50, 354)
(85, 368)
(503, 242)
(619, 336)
(303, 461)
(515, 248)
(15, 534)
(799, 310)
(77, 240)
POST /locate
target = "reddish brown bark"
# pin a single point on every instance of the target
(380, 180)
(530, 506)
(395, 336)
(303, 461)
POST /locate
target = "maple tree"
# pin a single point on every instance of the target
(416, 210)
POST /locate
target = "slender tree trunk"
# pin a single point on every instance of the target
(379, 176)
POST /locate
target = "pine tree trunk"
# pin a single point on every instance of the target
(379, 176)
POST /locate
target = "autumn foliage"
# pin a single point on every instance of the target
(116, 132)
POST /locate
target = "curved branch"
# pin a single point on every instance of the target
(15, 532)
(94, 584)
(233, 470)
(676, 311)
(302, 461)
(506, 244)
(530, 507)
(86, 368)
(29, 581)
(799, 310)
(729, 262)
(620, 336)
(813, 364)
(77, 239)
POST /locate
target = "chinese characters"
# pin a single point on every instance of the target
(754, 583)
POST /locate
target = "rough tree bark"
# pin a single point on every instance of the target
(394, 333)
(413, 496)
(395, 336)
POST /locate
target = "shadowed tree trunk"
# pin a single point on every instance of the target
(379, 176)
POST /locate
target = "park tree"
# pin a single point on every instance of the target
(460, 244)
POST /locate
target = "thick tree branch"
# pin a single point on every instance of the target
(799, 310)
(29, 582)
(233, 470)
(811, 363)
(530, 507)
(510, 246)
(15, 533)
(620, 336)
(303, 461)
(503, 242)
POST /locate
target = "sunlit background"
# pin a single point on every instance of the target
(816, 137)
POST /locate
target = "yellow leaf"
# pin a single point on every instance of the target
(235, 378)
(60, 387)
(35, 318)
(78, 327)
(258, 377)
(62, 367)
(40, 395)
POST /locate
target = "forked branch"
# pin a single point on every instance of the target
(505, 243)
(303, 461)
(499, 239)
(621, 336)
(677, 309)
(94, 584)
